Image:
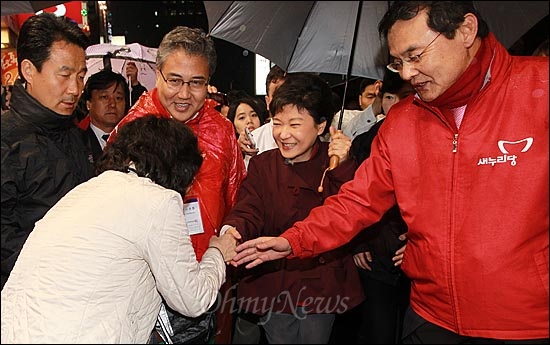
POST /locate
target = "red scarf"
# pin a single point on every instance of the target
(468, 86)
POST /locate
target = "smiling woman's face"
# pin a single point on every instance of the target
(295, 132)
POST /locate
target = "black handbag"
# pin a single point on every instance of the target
(183, 329)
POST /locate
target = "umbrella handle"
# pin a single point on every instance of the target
(334, 162)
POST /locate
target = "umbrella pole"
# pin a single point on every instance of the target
(130, 88)
(343, 102)
(348, 74)
(335, 160)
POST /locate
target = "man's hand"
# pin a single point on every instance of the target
(398, 258)
(377, 104)
(246, 145)
(132, 72)
(260, 250)
(212, 89)
(362, 260)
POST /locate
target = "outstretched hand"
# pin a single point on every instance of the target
(260, 250)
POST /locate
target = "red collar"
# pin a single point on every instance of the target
(470, 83)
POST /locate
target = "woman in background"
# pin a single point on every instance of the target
(246, 112)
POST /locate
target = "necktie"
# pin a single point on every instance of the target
(105, 137)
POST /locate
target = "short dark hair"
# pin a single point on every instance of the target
(103, 80)
(306, 91)
(162, 149)
(275, 74)
(364, 83)
(443, 16)
(38, 34)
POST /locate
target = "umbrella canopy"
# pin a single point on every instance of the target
(510, 20)
(339, 37)
(17, 7)
(326, 36)
(115, 57)
(306, 36)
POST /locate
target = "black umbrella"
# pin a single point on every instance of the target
(336, 37)
(339, 37)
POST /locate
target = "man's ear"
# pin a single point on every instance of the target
(28, 70)
(468, 30)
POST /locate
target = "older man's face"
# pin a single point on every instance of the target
(442, 62)
(183, 103)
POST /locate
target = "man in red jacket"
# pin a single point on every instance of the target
(466, 161)
(186, 59)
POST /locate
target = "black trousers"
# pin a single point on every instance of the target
(383, 310)
(428, 333)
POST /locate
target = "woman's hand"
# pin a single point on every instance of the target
(339, 144)
(226, 243)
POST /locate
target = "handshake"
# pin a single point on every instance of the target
(226, 243)
(253, 252)
(262, 249)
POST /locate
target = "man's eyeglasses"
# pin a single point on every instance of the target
(397, 65)
(177, 83)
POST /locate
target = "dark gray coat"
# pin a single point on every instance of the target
(44, 155)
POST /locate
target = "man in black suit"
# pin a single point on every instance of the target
(107, 97)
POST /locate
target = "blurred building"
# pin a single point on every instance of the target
(146, 23)
(76, 10)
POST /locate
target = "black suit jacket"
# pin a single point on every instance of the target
(94, 144)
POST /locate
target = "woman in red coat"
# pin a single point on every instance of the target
(296, 300)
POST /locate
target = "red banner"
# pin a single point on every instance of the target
(71, 9)
(9, 67)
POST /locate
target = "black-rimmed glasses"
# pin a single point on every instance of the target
(177, 83)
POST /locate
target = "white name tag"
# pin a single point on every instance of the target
(192, 212)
